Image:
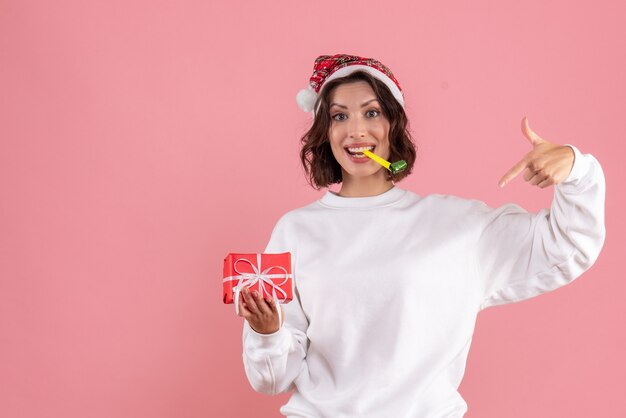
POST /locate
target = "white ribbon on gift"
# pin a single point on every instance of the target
(250, 279)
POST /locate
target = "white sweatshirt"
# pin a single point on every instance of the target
(387, 289)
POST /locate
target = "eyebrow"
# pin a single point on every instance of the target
(345, 107)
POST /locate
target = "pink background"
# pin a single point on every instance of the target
(129, 130)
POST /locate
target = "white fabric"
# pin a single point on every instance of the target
(387, 289)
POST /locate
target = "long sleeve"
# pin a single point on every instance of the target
(521, 255)
(273, 361)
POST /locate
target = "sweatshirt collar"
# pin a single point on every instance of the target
(391, 196)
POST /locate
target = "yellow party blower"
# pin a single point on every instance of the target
(395, 168)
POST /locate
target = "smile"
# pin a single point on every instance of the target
(358, 151)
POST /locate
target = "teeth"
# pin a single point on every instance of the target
(360, 149)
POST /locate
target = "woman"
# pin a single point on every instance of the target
(387, 283)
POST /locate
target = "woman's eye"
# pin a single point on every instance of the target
(376, 113)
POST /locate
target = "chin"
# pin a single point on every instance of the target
(365, 172)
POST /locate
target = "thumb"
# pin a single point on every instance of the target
(532, 137)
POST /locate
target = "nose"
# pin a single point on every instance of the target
(357, 128)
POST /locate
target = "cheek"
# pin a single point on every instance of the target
(382, 130)
(336, 148)
(336, 131)
(334, 138)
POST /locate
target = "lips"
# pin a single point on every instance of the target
(359, 157)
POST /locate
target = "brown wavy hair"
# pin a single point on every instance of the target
(320, 166)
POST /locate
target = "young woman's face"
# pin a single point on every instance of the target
(356, 120)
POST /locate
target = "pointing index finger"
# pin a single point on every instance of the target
(514, 171)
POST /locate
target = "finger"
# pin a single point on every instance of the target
(275, 306)
(528, 174)
(533, 138)
(531, 176)
(250, 303)
(547, 182)
(538, 178)
(243, 310)
(260, 303)
(271, 304)
(514, 171)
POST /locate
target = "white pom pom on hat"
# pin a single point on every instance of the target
(328, 67)
(306, 99)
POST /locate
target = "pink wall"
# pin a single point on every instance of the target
(141, 141)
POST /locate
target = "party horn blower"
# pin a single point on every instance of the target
(395, 168)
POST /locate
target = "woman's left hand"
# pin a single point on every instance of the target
(545, 165)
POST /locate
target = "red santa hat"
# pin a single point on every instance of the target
(329, 67)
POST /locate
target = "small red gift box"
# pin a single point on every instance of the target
(268, 274)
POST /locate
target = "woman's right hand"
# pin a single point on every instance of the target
(261, 314)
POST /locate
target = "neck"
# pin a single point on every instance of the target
(365, 186)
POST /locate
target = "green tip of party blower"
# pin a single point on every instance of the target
(395, 168)
(398, 166)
